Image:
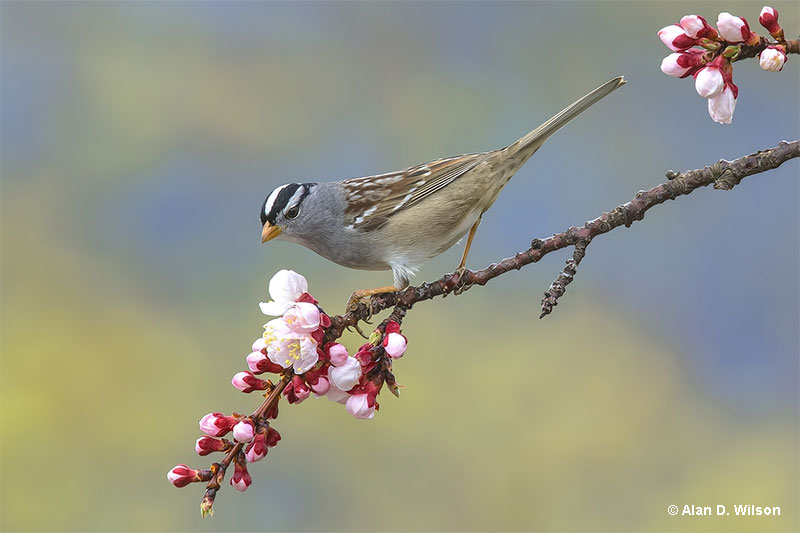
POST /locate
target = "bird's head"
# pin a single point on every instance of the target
(282, 212)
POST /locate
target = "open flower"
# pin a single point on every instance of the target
(286, 287)
(302, 317)
(288, 348)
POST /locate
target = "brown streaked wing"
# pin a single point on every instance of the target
(373, 199)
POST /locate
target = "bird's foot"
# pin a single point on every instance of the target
(460, 283)
(365, 296)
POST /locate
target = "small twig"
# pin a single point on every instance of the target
(218, 469)
(559, 286)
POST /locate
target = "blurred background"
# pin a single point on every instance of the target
(139, 140)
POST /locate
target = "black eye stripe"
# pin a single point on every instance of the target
(280, 202)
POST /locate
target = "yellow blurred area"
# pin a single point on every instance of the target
(139, 140)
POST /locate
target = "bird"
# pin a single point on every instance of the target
(399, 220)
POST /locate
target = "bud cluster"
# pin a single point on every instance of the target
(706, 53)
(291, 347)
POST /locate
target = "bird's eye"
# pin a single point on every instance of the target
(292, 212)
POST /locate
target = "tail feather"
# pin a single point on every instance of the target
(531, 142)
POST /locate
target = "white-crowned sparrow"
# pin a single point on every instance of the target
(401, 219)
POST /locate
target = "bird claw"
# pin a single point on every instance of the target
(460, 286)
(358, 330)
(355, 301)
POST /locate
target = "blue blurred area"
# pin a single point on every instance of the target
(139, 140)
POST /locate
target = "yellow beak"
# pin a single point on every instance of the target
(269, 232)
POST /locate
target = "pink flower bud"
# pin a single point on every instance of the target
(679, 64)
(733, 29)
(395, 345)
(260, 344)
(241, 479)
(302, 317)
(321, 387)
(696, 27)
(346, 376)
(207, 445)
(772, 59)
(273, 437)
(247, 382)
(675, 38)
(721, 106)
(297, 390)
(182, 475)
(708, 81)
(359, 406)
(769, 19)
(216, 424)
(256, 450)
(258, 363)
(244, 431)
(338, 354)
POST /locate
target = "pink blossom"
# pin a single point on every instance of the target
(721, 106)
(241, 479)
(257, 449)
(321, 387)
(244, 431)
(336, 395)
(395, 345)
(769, 19)
(344, 377)
(675, 38)
(733, 29)
(216, 424)
(285, 288)
(338, 354)
(297, 390)
(708, 81)
(302, 317)
(682, 64)
(247, 382)
(182, 475)
(258, 363)
(359, 406)
(772, 59)
(259, 345)
(207, 445)
(696, 27)
(288, 348)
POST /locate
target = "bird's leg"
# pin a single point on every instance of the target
(472, 230)
(358, 296)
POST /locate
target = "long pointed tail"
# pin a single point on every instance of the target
(531, 142)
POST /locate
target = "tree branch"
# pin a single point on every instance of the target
(722, 174)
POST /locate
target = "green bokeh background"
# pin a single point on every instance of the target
(138, 142)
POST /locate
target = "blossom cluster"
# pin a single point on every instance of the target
(706, 53)
(292, 347)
